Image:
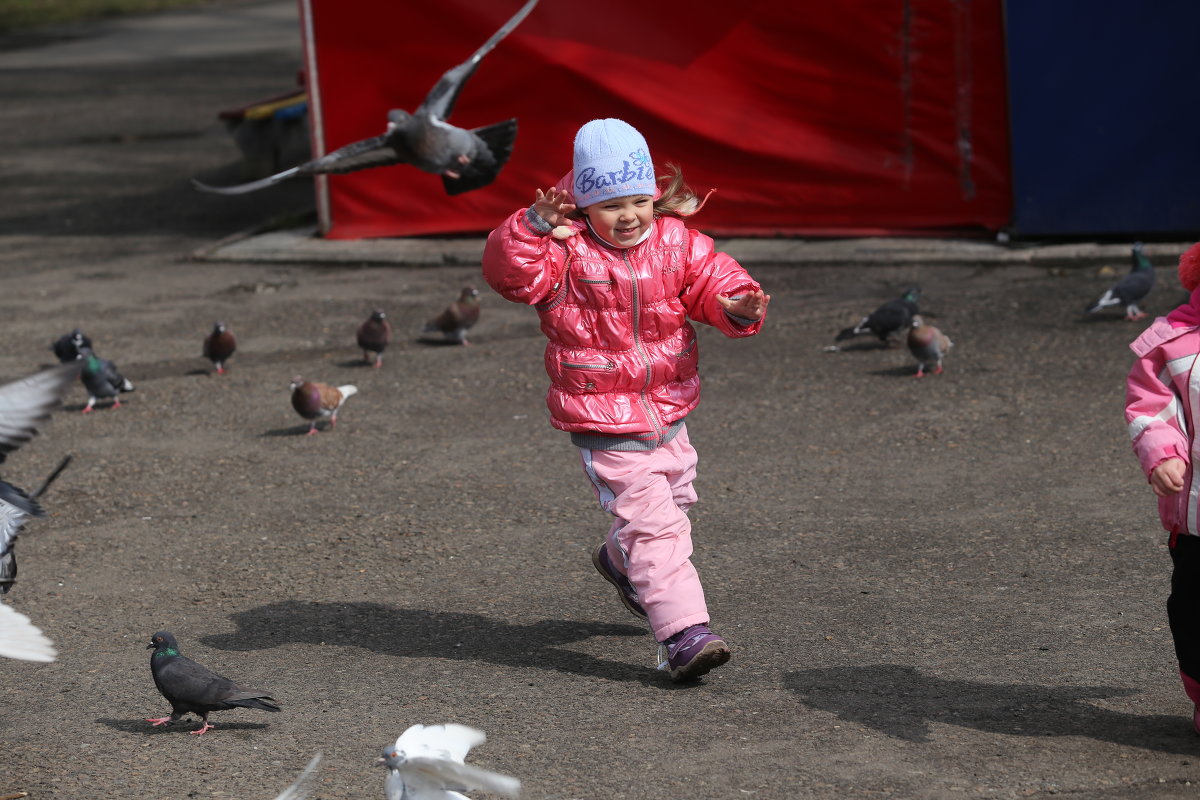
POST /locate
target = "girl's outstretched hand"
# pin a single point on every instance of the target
(751, 305)
(1167, 477)
(553, 206)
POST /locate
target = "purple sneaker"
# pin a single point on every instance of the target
(625, 589)
(692, 652)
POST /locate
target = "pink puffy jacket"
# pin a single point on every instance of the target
(1162, 398)
(622, 355)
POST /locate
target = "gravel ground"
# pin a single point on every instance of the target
(940, 588)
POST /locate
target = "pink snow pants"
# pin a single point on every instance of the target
(649, 493)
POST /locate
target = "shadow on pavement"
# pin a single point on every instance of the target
(902, 702)
(417, 633)
(185, 726)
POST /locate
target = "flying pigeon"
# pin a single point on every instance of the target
(66, 347)
(316, 400)
(21, 639)
(928, 346)
(373, 336)
(219, 346)
(301, 787)
(194, 688)
(456, 318)
(894, 316)
(1131, 289)
(102, 379)
(466, 159)
(25, 404)
(426, 763)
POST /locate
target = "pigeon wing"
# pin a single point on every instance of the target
(26, 403)
(21, 639)
(457, 775)
(443, 741)
(444, 94)
(331, 398)
(1134, 286)
(301, 788)
(376, 151)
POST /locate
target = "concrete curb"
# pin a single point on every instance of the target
(303, 246)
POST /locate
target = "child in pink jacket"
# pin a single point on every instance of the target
(1161, 404)
(615, 277)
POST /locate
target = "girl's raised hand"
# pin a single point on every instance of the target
(553, 206)
(751, 305)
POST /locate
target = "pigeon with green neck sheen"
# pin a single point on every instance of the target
(101, 378)
(1131, 289)
(893, 317)
(193, 688)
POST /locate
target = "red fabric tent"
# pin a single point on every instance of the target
(807, 117)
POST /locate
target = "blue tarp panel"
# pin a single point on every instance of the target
(1104, 103)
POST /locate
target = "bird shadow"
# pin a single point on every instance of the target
(904, 703)
(201, 371)
(110, 406)
(291, 430)
(354, 363)
(417, 633)
(183, 726)
(908, 371)
(863, 347)
(430, 341)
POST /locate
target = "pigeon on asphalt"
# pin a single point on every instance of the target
(301, 788)
(219, 346)
(102, 379)
(457, 318)
(21, 639)
(66, 347)
(373, 336)
(928, 346)
(894, 316)
(426, 763)
(193, 688)
(1131, 289)
(466, 159)
(316, 400)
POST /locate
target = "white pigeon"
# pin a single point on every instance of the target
(300, 788)
(20, 638)
(426, 763)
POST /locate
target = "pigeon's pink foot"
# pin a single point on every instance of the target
(87, 410)
(464, 159)
(919, 373)
(378, 362)
(1135, 317)
(452, 175)
(312, 430)
(158, 720)
(938, 371)
(200, 732)
(116, 402)
(220, 370)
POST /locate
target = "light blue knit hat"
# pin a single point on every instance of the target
(611, 160)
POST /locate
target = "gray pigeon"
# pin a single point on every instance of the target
(194, 688)
(24, 405)
(894, 316)
(928, 346)
(1131, 289)
(457, 318)
(426, 763)
(466, 159)
(101, 379)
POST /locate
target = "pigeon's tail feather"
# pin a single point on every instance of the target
(1109, 299)
(253, 699)
(21, 639)
(465, 775)
(851, 332)
(486, 166)
(348, 391)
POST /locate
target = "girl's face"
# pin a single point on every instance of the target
(622, 220)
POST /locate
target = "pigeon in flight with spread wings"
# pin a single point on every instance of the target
(426, 763)
(466, 159)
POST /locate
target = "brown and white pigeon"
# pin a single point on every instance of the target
(928, 346)
(373, 336)
(219, 345)
(193, 688)
(466, 159)
(457, 318)
(313, 400)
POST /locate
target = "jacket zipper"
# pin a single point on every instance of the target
(635, 303)
(607, 365)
